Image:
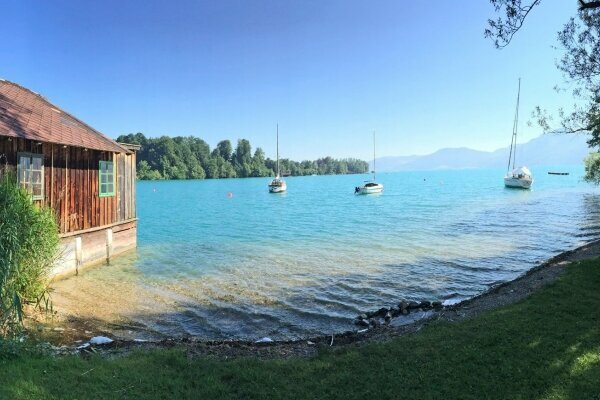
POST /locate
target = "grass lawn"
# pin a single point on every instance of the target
(546, 347)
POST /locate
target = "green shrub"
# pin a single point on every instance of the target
(28, 247)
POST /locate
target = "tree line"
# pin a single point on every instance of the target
(191, 158)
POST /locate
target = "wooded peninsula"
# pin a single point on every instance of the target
(191, 158)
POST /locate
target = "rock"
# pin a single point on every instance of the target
(361, 322)
(265, 340)
(388, 317)
(382, 311)
(83, 346)
(374, 323)
(413, 305)
(403, 305)
(395, 311)
(405, 311)
(100, 340)
(140, 340)
(425, 304)
(437, 305)
(310, 343)
(363, 316)
(363, 330)
(370, 315)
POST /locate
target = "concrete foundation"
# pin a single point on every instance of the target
(84, 249)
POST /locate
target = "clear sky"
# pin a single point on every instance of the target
(420, 73)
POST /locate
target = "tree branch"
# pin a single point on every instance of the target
(590, 4)
(503, 31)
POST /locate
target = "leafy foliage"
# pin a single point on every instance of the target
(191, 158)
(28, 246)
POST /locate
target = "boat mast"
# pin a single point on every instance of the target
(374, 156)
(278, 150)
(513, 142)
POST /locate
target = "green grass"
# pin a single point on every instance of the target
(546, 347)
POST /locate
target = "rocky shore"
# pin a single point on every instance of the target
(379, 325)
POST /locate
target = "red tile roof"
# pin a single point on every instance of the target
(26, 114)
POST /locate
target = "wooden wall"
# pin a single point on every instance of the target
(71, 183)
(126, 173)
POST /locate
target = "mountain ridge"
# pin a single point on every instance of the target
(547, 149)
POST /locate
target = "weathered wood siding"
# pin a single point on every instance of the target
(71, 183)
(125, 172)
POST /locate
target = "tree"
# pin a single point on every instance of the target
(144, 172)
(580, 64)
(225, 149)
(242, 158)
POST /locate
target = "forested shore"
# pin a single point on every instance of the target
(192, 158)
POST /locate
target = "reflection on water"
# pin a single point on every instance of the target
(256, 265)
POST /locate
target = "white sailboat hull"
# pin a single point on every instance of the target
(374, 189)
(277, 185)
(277, 189)
(519, 178)
(517, 183)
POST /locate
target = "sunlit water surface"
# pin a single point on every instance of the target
(306, 262)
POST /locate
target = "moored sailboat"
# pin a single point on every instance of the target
(277, 185)
(372, 186)
(520, 178)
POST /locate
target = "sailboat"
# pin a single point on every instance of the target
(521, 177)
(277, 185)
(370, 187)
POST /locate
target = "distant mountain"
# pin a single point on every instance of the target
(549, 149)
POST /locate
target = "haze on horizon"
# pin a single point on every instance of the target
(421, 75)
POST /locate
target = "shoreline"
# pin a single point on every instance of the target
(496, 296)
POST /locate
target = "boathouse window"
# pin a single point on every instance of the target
(107, 179)
(30, 174)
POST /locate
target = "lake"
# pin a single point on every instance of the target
(224, 259)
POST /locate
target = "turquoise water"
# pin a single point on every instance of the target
(254, 264)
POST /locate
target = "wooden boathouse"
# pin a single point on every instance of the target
(87, 178)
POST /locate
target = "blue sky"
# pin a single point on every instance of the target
(329, 72)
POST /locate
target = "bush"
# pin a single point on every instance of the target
(28, 247)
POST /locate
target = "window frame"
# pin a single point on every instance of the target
(29, 185)
(101, 174)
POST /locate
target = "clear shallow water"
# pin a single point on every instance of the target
(308, 261)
